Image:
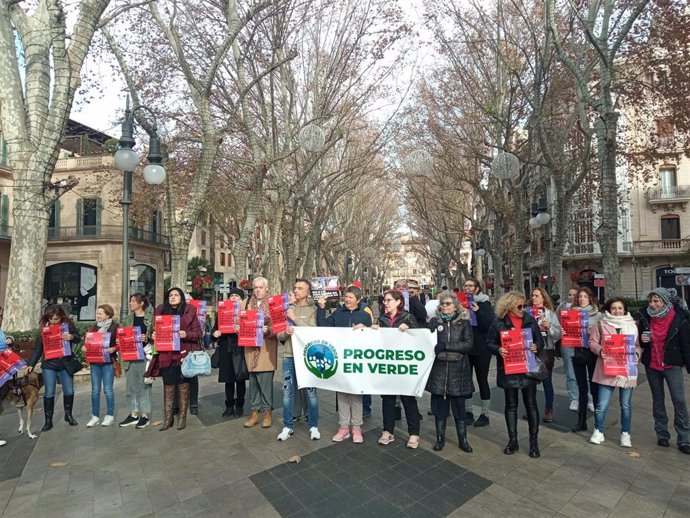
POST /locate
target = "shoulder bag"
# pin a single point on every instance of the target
(196, 363)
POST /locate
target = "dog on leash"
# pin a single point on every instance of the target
(22, 393)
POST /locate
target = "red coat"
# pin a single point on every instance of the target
(188, 323)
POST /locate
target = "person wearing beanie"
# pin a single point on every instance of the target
(665, 339)
(232, 368)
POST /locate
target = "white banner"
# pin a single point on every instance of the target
(365, 361)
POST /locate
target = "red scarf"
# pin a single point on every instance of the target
(659, 327)
(517, 321)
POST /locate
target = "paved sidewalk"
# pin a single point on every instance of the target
(216, 467)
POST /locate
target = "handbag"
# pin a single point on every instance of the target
(196, 363)
(215, 359)
(72, 365)
(153, 369)
(542, 371)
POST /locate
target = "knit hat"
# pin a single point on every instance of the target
(663, 293)
(236, 291)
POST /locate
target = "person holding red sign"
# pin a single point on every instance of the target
(616, 321)
(170, 362)
(232, 369)
(584, 361)
(665, 340)
(542, 310)
(137, 392)
(104, 373)
(53, 368)
(450, 380)
(511, 314)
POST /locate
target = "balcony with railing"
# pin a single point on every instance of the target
(84, 163)
(668, 197)
(106, 232)
(661, 246)
(5, 232)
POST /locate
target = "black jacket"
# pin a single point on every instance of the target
(493, 343)
(401, 317)
(56, 364)
(677, 346)
(343, 317)
(485, 318)
(418, 311)
(451, 374)
(231, 365)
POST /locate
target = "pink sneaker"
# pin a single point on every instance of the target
(357, 435)
(343, 433)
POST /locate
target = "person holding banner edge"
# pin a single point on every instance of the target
(665, 340)
(616, 321)
(450, 381)
(52, 368)
(104, 373)
(350, 314)
(395, 316)
(138, 393)
(511, 314)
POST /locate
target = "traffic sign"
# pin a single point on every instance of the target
(223, 290)
(682, 271)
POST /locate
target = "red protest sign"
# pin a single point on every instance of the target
(167, 333)
(615, 355)
(96, 348)
(515, 362)
(53, 344)
(247, 336)
(277, 307)
(131, 347)
(227, 316)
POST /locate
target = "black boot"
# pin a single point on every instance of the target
(513, 445)
(581, 425)
(461, 427)
(534, 445)
(469, 418)
(440, 433)
(194, 396)
(68, 402)
(48, 407)
(229, 409)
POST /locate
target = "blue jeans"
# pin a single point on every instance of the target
(50, 380)
(548, 390)
(366, 404)
(289, 391)
(603, 402)
(570, 381)
(102, 374)
(674, 380)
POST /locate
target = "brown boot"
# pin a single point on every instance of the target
(184, 403)
(253, 419)
(168, 391)
(268, 419)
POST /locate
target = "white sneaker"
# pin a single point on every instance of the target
(108, 420)
(574, 406)
(590, 406)
(93, 422)
(597, 437)
(314, 433)
(625, 440)
(285, 434)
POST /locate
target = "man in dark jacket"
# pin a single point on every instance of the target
(665, 339)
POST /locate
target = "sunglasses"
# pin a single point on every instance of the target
(447, 304)
(520, 307)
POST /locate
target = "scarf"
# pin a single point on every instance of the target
(517, 321)
(448, 318)
(659, 327)
(661, 312)
(624, 324)
(593, 312)
(103, 326)
(481, 297)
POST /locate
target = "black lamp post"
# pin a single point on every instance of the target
(154, 173)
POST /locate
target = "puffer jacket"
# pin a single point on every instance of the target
(401, 317)
(343, 317)
(56, 364)
(451, 374)
(493, 342)
(677, 346)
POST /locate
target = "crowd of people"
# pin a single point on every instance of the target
(464, 350)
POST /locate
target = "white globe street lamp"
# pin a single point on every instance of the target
(505, 166)
(312, 138)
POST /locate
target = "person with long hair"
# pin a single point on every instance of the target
(350, 314)
(137, 392)
(450, 380)
(57, 367)
(511, 314)
(584, 360)
(103, 374)
(395, 316)
(170, 363)
(542, 310)
(616, 321)
(480, 356)
(232, 369)
(567, 355)
(665, 340)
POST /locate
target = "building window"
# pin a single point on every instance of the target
(670, 227)
(229, 259)
(73, 286)
(665, 132)
(89, 217)
(203, 238)
(54, 220)
(668, 181)
(222, 259)
(203, 253)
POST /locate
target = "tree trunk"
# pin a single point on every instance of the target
(254, 211)
(180, 237)
(275, 277)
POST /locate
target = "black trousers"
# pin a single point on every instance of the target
(481, 365)
(583, 374)
(441, 407)
(409, 403)
(529, 399)
(238, 388)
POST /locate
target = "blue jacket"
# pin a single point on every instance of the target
(343, 317)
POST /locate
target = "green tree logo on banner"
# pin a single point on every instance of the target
(321, 359)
